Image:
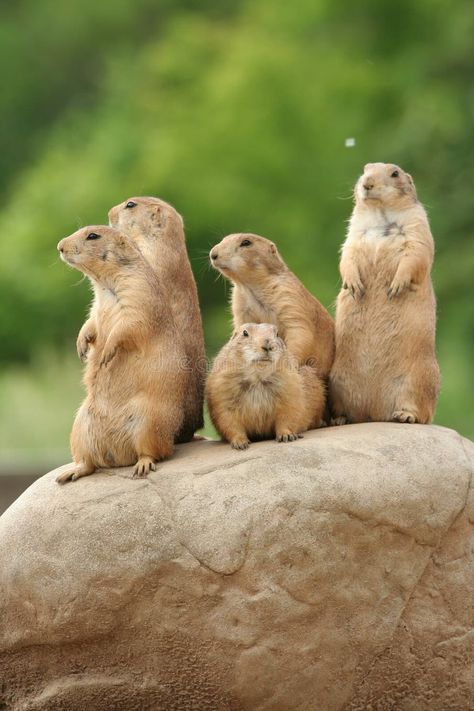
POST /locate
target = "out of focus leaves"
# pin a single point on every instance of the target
(236, 112)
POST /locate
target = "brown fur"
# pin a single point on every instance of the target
(266, 291)
(133, 408)
(257, 390)
(385, 366)
(158, 231)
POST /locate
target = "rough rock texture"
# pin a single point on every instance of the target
(331, 573)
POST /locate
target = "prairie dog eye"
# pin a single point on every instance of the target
(130, 204)
(245, 333)
(93, 235)
(245, 243)
(395, 174)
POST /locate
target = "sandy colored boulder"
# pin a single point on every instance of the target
(335, 572)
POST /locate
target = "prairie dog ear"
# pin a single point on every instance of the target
(273, 249)
(155, 211)
(158, 215)
(412, 182)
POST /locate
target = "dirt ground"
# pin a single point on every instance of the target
(11, 486)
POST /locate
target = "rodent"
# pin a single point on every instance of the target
(158, 230)
(134, 402)
(257, 390)
(385, 367)
(266, 291)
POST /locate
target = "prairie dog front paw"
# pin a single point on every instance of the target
(240, 443)
(398, 286)
(84, 340)
(353, 283)
(108, 354)
(143, 467)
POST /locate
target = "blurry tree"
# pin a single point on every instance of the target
(237, 113)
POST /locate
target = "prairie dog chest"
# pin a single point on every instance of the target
(109, 313)
(259, 394)
(379, 226)
(255, 309)
(379, 235)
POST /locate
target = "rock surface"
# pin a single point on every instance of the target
(331, 573)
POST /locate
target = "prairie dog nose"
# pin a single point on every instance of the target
(61, 246)
(214, 255)
(267, 347)
(368, 184)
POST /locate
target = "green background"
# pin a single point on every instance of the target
(236, 113)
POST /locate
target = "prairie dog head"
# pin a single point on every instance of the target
(98, 251)
(149, 221)
(385, 185)
(258, 344)
(245, 257)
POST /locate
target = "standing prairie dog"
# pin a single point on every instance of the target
(385, 366)
(158, 231)
(134, 403)
(266, 291)
(257, 390)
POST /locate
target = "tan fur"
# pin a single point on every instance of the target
(266, 291)
(133, 408)
(385, 366)
(257, 390)
(158, 231)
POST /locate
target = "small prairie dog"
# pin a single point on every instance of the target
(385, 366)
(257, 390)
(266, 291)
(134, 403)
(157, 229)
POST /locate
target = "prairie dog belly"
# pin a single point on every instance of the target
(379, 249)
(111, 415)
(108, 436)
(258, 405)
(375, 345)
(374, 321)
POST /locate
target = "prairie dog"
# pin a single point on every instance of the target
(257, 390)
(134, 403)
(157, 229)
(385, 366)
(266, 291)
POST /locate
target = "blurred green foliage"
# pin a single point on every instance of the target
(237, 113)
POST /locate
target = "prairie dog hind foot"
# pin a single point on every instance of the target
(404, 416)
(337, 421)
(75, 471)
(288, 436)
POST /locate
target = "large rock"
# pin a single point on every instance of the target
(331, 573)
